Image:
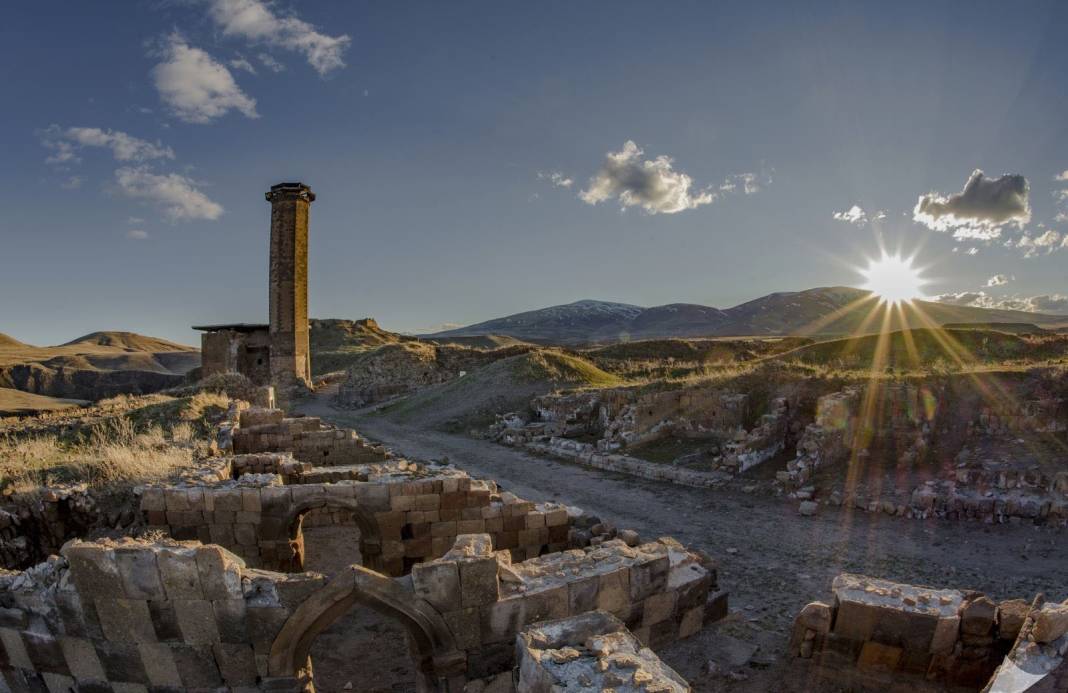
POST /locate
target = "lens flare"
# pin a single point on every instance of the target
(893, 279)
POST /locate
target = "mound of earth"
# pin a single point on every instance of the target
(95, 366)
(473, 400)
(486, 341)
(18, 403)
(396, 369)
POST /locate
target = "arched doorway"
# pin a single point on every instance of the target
(434, 656)
(354, 539)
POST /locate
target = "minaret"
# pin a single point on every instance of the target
(290, 354)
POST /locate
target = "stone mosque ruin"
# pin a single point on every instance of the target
(492, 593)
(276, 353)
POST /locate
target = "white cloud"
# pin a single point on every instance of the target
(999, 280)
(1033, 246)
(137, 234)
(242, 63)
(853, 215)
(983, 206)
(72, 183)
(654, 185)
(254, 20)
(1045, 303)
(558, 179)
(123, 147)
(972, 251)
(1062, 176)
(196, 87)
(270, 63)
(179, 197)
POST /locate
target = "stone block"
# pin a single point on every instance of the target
(220, 573)
(45, 653)
(236, 664)
(438, 582)
(946, 634)
(159, 666)
(691, 622)
(94, 571)
(876, 656)
(164, 620)
(230, 619)
(582, 595)
(125, 620)
(82, 660)
(178, 570)
(466, 627)
(977, 615)
(15, 648)
(1011, 616)
(196, 666)
(478, 581)
(1051, 623)
(196, 619)
(139, 573)
(58, 683)
(122, 662)
(657, 608)
(613, 591)
(501, 621)
(649, 577)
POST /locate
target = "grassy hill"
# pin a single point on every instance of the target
(504, 385)
(19, 403)
(925, 348)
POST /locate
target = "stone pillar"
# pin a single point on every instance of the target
(290, 354)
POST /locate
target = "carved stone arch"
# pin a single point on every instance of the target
(437, 658)
(290, 528)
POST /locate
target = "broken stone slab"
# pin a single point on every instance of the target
(1051, 623)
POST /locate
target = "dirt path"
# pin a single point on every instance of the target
(771, 560)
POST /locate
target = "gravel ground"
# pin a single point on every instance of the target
(771, 560)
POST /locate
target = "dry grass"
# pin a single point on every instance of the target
(122, 441)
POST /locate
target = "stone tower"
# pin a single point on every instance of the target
(290, 354)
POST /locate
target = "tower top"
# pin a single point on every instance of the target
(284, 191)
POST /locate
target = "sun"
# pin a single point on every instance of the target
(893, 279)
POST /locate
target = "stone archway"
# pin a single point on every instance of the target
(437, 659)
(286, 542)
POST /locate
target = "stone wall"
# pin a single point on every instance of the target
(306, 438)
(1038, 661)
(877, 632)
(181, 616)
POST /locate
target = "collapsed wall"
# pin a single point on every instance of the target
(877, 633)
(184, 616)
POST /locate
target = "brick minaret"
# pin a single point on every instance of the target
(290, 354)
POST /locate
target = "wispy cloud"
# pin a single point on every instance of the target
(64, 143)
(1044, 303)
(72, 183)
(558, 179)
(270, 63)
(980, 209)
(242, 63)
(178, 196)
(137, 234)
(196, 87)
(256, 21)
(1044, 244)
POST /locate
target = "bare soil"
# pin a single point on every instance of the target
(771, 560)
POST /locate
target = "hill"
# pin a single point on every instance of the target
(822, 311)
(909, 349)
(506, 384)
(18, 403)
(96, 365)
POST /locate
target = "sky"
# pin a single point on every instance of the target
(476, 159)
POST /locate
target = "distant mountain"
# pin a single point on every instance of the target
(834, 310)
(100, 364)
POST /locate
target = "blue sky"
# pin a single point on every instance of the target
(440, 138)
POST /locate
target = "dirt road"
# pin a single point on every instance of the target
(771, 560)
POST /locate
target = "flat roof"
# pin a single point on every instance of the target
(236, 327)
